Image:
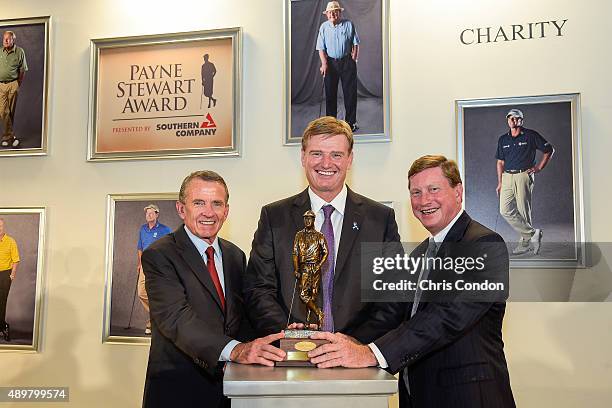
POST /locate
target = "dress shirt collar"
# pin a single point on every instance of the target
(439, 237)
(202, 245)
(339, 202)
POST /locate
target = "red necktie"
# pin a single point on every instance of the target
(212, 270)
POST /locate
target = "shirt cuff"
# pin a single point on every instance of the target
(227, 350)
(382, 363)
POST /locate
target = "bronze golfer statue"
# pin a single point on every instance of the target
(309, 254)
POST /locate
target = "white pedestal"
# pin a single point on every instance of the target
(284, 387)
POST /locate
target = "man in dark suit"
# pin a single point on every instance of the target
(450, 351)
(345, 218)
(194, 283)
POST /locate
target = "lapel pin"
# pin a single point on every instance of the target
(355, 226)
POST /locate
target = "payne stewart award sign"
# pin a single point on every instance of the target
(161, 96)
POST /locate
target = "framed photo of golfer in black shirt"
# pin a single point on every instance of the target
(337, 64)
(521, 163)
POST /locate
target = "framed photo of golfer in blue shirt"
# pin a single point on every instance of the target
(134, 222)
(337, 64)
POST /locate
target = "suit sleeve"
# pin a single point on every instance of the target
(247, 331)
(391, 232)
(262, 286)
(437, 324)
(174, 316)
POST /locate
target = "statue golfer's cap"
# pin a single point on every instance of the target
(309, 214)
(333, 5)
(152, 207)
(515, 113)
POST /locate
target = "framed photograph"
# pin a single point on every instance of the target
(166, 96)
(22, 249)
(134, 222)
(522, 169)
(358, 68)
(24, 86)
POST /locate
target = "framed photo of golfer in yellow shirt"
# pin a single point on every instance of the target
(22, 249)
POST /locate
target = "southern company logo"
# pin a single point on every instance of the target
(207, 127)
(209, 122)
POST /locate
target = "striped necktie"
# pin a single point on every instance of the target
(327, 230)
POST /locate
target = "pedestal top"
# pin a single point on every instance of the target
(251, 380)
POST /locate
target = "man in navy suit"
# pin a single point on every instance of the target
(344, 217)
(451, 352)
(194, 282)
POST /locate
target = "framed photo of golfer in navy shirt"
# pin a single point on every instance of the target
(337, 64)
(522, 169)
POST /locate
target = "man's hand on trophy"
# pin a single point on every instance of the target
(341, 351)
(297, 275)
(302, 326)
(259, 351)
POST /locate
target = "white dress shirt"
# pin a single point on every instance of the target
(337, 217)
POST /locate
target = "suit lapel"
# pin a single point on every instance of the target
(301, 204)
(457, 231)
(351, 226)
(455, 234)
(228, 277)
(197, 265)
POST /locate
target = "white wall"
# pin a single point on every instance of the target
(559, 353)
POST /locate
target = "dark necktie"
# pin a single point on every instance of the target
(212, 270)
(327, 230)
(432, 249)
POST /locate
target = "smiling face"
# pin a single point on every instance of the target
(8, 41)
(333, 16)
(326, 159)
(151, 216)
(434, 202)
(205, 208)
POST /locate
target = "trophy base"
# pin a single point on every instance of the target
(297, 344)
